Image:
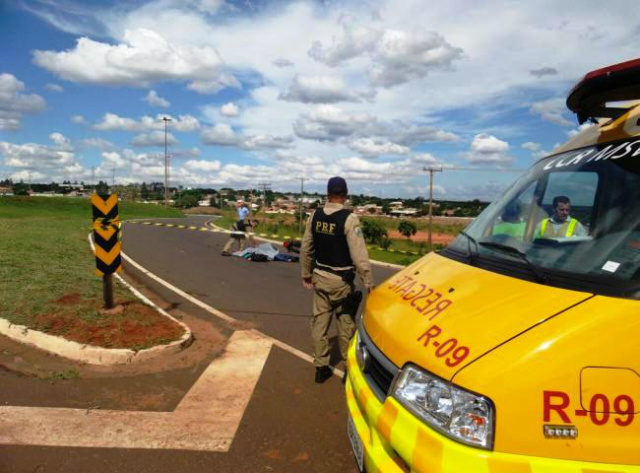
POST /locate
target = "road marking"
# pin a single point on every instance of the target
(215, 312)
(206, 419)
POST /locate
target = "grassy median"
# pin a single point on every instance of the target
(47, 279)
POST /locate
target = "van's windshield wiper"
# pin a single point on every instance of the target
(470, 240)
(510, 249)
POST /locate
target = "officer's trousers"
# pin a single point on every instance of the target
(329, 296)
(235, 240)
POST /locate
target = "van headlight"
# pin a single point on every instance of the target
(459, 414)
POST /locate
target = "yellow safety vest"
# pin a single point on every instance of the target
(566, 230)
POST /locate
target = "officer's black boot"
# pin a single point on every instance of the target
(323, 373)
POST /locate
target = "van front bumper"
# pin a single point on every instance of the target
(395, 441)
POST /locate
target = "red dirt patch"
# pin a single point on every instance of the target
(442, 238)
(68, 299)
(137, 327)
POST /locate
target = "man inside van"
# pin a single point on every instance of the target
(510, 223)
(560, 224)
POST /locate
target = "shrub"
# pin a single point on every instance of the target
(407, 228)
(372, 231)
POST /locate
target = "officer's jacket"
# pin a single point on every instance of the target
(333, 239)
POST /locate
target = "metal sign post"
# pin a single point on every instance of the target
(106, 237)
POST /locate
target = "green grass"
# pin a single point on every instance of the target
(45, 255)
(421, 225)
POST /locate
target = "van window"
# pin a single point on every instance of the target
(572, 220)
(579, 187)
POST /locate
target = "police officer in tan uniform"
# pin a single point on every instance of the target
(333, 250)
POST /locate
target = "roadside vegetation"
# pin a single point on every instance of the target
(390, 240)
(47, 279)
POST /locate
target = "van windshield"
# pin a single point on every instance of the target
(572, 220)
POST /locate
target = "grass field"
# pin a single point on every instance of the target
(47, 279)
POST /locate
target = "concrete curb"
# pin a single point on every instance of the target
(212, 225)
(91, 354)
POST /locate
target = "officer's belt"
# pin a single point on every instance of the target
(345, 274)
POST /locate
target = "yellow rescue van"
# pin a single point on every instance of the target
(517, 348)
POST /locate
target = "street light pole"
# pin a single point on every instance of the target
(166, 163)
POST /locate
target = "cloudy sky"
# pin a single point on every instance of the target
(271, 91)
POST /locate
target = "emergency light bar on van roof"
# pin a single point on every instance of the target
(590, 98)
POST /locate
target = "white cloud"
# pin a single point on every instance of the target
(213, 86)
(27, 176)
(154, 138)
(61, 142)
(401, 57)
(78, 120)
(143, 57)
(256, 142)
(536, 149)
(396, 56)
(354, 41)
(552, 110)
(329, 123)
(487, 149)
(98, 143)
(54, 88)
(113, 160)
(153, 99)
(410, 135)
(37, 156)
(14, 103)
(223, 135)
(202, 165)
(322, 89)
(112, 121)
(371, 147)
(229, 110)
(424, 158)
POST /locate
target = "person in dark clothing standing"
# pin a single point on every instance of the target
(333, 251)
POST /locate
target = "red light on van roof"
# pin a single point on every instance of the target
(614, 68)
(615, 83)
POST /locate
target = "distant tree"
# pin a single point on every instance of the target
(386, 208)
(187, 200)
(20, 188)
(144, 191)
(373, 231)
(102, 188)
(407, 228)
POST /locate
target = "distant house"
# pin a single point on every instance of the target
(6, 191)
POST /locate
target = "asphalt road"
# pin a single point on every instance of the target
(268, 295)
(290, 425)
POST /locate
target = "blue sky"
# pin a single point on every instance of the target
(274, 91)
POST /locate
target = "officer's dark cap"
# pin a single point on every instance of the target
(337, 186)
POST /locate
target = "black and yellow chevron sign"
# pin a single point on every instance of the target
(106, 234)
(105, 207)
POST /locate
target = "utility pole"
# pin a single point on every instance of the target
(431, 170)
(29, 175)
(93, 176)
(113, 178)
(301, 203)
(166, 121)
(265, 186)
